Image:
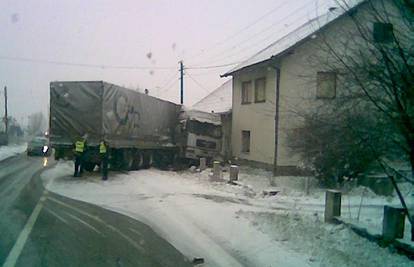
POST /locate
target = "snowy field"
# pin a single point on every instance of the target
(235, 225)
(11, 150)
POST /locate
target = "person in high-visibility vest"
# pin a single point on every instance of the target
(80, 148)
(103, 152)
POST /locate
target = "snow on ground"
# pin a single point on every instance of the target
(229, 225)
(11, 150)
(360, 205)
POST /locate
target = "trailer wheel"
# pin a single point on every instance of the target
(138, 161)
(147, 160)
(58, 154)
(89, 166)
(128, 160)
(163, 159)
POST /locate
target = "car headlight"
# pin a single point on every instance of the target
(45, 148)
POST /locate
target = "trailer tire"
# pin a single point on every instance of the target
(138, 161)
(128, 159)
(58, 154)
(164, 159)
(147, 160)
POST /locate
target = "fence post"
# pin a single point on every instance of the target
(234, 173)
(203, 164)
(216, 171)
(332, 205)
(393, 223)
(307, 185)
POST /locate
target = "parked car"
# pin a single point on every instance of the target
(38, 146)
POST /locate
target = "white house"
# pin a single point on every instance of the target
(274, 84)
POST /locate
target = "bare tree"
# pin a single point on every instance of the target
(378, 70)
(372, 118)
(36, 124)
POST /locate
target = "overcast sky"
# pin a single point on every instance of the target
(38, 36)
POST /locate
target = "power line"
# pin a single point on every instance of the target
(196, 82)
(168, 80)
(243, 29)
(262, 42)
(171, 82)
(72, 64)
(209, 93)
(208, 72)
(249, 38)
(214, 66)
(86, 65)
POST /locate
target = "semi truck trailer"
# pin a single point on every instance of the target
(140, 130)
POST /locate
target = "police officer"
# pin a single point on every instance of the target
(80, 147)
(103, 152)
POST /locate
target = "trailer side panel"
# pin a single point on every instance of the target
(133, 119)
(75, 110)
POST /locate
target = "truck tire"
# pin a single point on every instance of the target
(116, 159)
(158, 160)
(138, 161)
(58, 154)
(163, 159)
(147, 160)
(128, 159)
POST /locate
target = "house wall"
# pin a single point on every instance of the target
(299, 69)
(298, 72)
(258, 118)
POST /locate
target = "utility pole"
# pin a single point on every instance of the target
(182, 82)
(6, 119)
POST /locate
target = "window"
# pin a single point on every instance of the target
(383, 32)
(246, 92)
(246, 141)
(206, 144)
(260, 90)
(326, 85)
(203, 128)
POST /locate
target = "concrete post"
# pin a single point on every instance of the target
(332, 205)
(203, 164)
(393, 223)
(307, 184)
(234, 173)
(216, 171)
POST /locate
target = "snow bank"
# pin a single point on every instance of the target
(11, 150)
(324, 244)
(234, 225)
(187, 211)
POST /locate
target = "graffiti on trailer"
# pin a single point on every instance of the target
(125, 113)
(61, 96)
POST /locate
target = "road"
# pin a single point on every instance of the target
(40, 228)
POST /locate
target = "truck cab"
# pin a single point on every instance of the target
(201, 135)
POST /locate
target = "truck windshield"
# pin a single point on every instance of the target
(203, 128)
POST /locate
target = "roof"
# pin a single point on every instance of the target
(218, 101)
(201, 116)
(295, 37)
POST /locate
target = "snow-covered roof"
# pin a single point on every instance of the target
(218, 101)
(293, 38)
(202, 116)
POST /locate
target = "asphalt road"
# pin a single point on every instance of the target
(40, 228)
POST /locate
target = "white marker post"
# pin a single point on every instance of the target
(217, 176)
(332, 205)
(393, 223)
(234, 173)
(203, 164)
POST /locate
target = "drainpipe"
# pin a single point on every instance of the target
(276, 119)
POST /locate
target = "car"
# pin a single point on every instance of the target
(38, 146)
